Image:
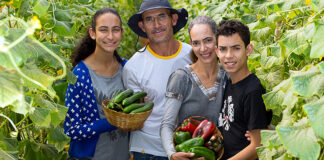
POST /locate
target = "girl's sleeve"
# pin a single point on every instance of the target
(76, 125)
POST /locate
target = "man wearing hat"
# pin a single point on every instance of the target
(149, 69)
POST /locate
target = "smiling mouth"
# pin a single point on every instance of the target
(109, 43)
(230, 64)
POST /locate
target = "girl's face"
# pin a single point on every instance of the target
(108, 32)
(203, 43)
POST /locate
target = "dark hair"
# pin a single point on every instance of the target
(201, 20)
(87, 45)
(230, 27)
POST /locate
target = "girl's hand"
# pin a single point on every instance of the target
(181, 156)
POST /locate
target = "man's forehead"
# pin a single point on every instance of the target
(154, 12)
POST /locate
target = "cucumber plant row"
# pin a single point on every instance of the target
(129, 102)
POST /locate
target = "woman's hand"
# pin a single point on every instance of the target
(181, 156)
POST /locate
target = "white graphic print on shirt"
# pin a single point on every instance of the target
(227, 114)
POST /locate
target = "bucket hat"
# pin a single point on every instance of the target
(154, 4)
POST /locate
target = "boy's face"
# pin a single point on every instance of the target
(233, 54)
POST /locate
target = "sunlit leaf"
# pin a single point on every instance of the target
(10, 89)
(33, 72)
(315, 112)
(299, 141)
(41, 7)
(318, 42)
(261, 34)
(41, 116)
(321, 67)
(295, 41)
(273, 99)
(270, 139)
(270, 61)
(308, 83)
(310, 30)
(6, 156)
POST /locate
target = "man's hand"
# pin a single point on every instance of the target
(181, 156)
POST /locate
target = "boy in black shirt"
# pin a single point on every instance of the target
(243, 108)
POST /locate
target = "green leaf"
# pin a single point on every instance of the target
(318, 42)
(36, 74)
(63, 15)
(295, 41)
(38, 151)
(270, 139)
(57, 137)
(17, 3)
(321, 67)
(261, 34)
(315, 112)
(299, 141)
(70, 77)
(273, 99)
(41, 7)
(309, 30)
(6, 156)
(270, 61)
(41, 117)
(10, 89)
(23, 10)
(275, 51)
(63, 28)
(308, 83)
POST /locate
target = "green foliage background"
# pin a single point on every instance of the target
(35, 69)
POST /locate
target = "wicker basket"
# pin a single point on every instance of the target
(127, 122)
(219, 155)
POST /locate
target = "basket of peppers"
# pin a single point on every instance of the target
(200, 136)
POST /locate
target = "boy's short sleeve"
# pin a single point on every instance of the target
(177, 85)
(255, 114)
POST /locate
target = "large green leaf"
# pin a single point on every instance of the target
(10, 89)
(6, 156)
(295, 41)
(57, 137)
(308, 83)
(309, 30)
(261, 34)
(300, 141)
(33, 72)
(315, 114)
(270, 61)
(273, 99)
(41, 117)
(58, 111)
(38, 151)
(63, 28)
(270, 139)
(41, 7)
(321, 67)
(318, 42)
(63, 15)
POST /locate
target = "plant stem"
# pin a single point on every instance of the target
(13, 125)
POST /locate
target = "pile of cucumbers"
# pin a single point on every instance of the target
(129, 102)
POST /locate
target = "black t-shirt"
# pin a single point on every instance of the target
(243, 109)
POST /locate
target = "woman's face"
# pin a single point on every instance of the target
(203, 43)
(108, 32)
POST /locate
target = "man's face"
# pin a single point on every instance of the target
(158, 24)
(232, 53)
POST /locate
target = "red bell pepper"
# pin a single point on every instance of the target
(189, 125)
(204, 129)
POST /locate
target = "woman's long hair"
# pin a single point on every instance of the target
(87, 45)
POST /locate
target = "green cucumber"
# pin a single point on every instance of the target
(121, 96)
(201, 151)
(133, 106)
(129, 100)
(111, 104)
(148, 106)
